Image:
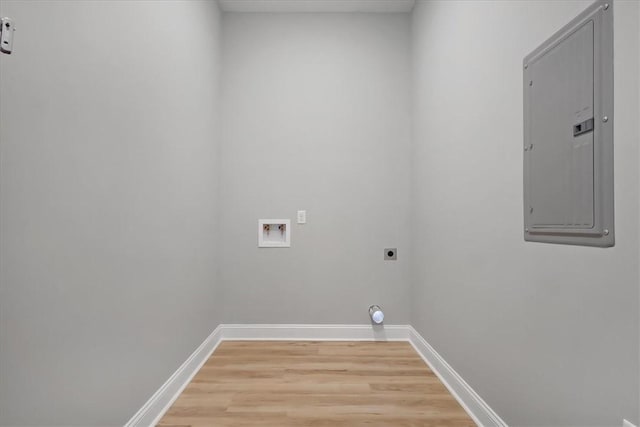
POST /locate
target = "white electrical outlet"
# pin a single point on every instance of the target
(6, 35)
(302, 217)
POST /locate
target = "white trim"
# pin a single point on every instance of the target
(161, 401)
(477, 408)
(316, 332)
(626, 423)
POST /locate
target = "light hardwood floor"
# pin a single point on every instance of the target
(300, 383)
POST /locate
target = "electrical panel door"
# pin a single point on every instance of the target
(568, 139)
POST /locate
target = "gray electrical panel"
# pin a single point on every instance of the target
(568, 133)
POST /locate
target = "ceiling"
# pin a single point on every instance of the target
(301, 6)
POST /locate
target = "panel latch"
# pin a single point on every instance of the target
(583, 127)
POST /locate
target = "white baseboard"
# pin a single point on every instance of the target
(626, 423)
(161, 401)
(316, 332)
(477, 408)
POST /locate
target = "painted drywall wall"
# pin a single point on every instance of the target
(108, 204)
(316, 116)
(546, 334)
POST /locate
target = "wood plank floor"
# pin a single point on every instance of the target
(300, 383)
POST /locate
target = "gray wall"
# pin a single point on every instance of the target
(546, 334)
(316, 116)
(108, 182)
